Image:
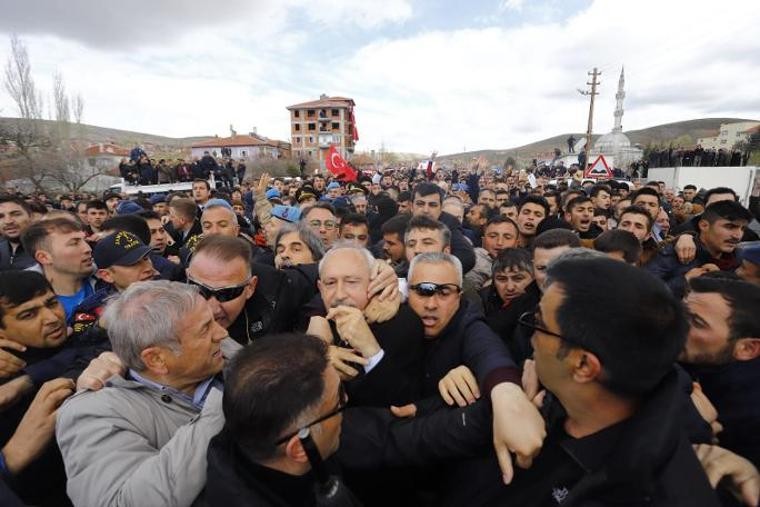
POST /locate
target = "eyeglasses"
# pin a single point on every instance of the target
(222, 294)
(528, 319)
(342, 401)
(429, 289)
(328, 224)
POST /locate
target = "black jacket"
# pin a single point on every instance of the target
(467, 340)
(461, 248)
(14, 260)
(274, 306)
(503, 319)
(646, 460)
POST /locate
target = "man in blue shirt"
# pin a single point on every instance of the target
(65, 258)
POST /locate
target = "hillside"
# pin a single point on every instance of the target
(125, 138)
(702, 127)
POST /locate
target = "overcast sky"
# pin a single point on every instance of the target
(426, 75)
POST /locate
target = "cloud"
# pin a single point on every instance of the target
(131, 24)
(418, 88)
(511, 5)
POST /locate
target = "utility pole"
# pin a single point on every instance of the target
(592, 93)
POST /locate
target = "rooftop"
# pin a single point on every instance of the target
(238, 140)
(106, 149)
(325, 101)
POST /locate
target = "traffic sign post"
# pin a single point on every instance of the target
(599, 169)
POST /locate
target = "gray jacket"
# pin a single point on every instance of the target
(131, 445)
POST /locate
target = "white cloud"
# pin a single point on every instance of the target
(512, 5)
(477, 88)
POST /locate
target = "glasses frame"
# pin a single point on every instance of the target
(342, 403)
(327, 224)
(458, 289)
(204, 289)
(523, 320)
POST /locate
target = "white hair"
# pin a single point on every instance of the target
(343, 244)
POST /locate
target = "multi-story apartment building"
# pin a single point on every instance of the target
(316, 125)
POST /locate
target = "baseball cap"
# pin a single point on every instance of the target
(287, 213)
(121, 248)
(333, 184)
(272, 193)
(749, 251)
(128, 208)
(157, 198)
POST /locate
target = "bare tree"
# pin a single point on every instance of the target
(60, 99)
(78, 106)
(49, 155)
(20, 83)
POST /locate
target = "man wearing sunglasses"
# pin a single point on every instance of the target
(458, 339)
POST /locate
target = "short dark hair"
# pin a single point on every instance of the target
(130, 223)
(743, 298)
(353, 219)
(726, 210)
(404, 196)
(638, 210)
(637, 347)
(535, 199)
(618, 240)
(645, 191)
(555, 238)
(427, 223)
(149, 215)
(498, 219)
(427, 188)
(97, 204)
(16, 200)
(205, 182)
(318, 205)
(690, 187)
(576, 201)
(36, 235)
(17, 287)
(566, 196)
(719, 190)
(508, 204)
(509, 258)
(269, 386)
(600, 187)
(396, 225)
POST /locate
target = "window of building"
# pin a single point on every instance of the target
(243, 153)
(322, 113)
(296, 114)
(310, 113)
(334, 112)
(335, 125)
(311, 139)
(298, 127)
(312, 126)
(297, 140)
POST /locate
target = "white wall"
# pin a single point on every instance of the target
(737, 178)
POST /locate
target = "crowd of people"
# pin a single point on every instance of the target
(140, 169)
(696, 156)
(459, 337)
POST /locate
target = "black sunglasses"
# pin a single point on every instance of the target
(528, 319)
(342, 401)
(223, 294)
(429, 289)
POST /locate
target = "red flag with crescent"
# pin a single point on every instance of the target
(338, 166)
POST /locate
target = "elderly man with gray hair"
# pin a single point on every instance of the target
(141, 440)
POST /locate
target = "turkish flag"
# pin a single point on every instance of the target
(338, 166)
(354, 130)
